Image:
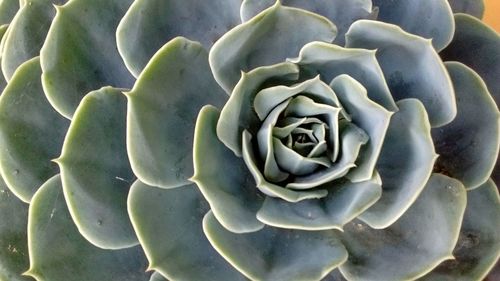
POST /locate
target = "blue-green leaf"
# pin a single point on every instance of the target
(31, 132)
(168, 223)
(472, 7)
(162, 111)
(95, 170)
(405, 164)
(59, 253)
(412, 68)
(411, 247)
(234, 197)
(274, 35)
(148, 24)
(432, 19)
(277, 254)
(79, 54)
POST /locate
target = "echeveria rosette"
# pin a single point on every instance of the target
(332, 143)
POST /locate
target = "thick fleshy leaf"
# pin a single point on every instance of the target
(277, 254)
(157, 277)
(95, 170)
(314, 88)
(469, 146)
(352, 139)
(272, 171)
(272, 36)
(58, 251)
(344, 202)
(8, 9)
(31, 132)
(296, 164)
(27, 32)
(478, 246)
(79, 54)
(411, 66)
(233, 198)
(13, 236)
(238, 114)
(342, 13)
(169, 225)
(405, 163)
(478, 46)
(472, 7)
(162, 111)
(369, 116)
(432, 19)
(420, 240)
(331, 60)
(149, 24)
(271, 189)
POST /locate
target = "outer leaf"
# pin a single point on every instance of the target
(420, 240)
(58, 252)
(31, 132)
(13, 236)
(277, 254)
(162, 110)
(411, 66)
(238, 114)
(169, 225)
(405, 164)
(472, 7)
(79, 54)
(149, 24)
(330, 60)
(369, 116)
(269, 38)
(478, 46)
(342, 13)
(469, 146)
(409, 14)
(95, 170)
(233, 198)
(344, 202)
(478, 247)
(8, 9)
(27, 32)
(157, 277)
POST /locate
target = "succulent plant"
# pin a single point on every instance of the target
(248, 140)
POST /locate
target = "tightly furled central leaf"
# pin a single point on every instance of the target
(303, 128)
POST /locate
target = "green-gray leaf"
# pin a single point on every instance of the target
(371, 117)
(157, 277)
(411, 247)
(411, 67)
(472, 7)
(409, 14)
(405, 163)
(162, 111)
(13, 236)
(26, 35)
(469, 146)
(95, 170)
(148, 24)
(59, 253)
(344, 202)
(331, 60)
(8, 9)
(478, 247)
(31, 132)
(79, 54)
(169, 225)
(272, 36)
(234, 197)
(277, 254)
(341, 12)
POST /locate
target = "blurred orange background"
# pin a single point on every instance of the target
(492, 14)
